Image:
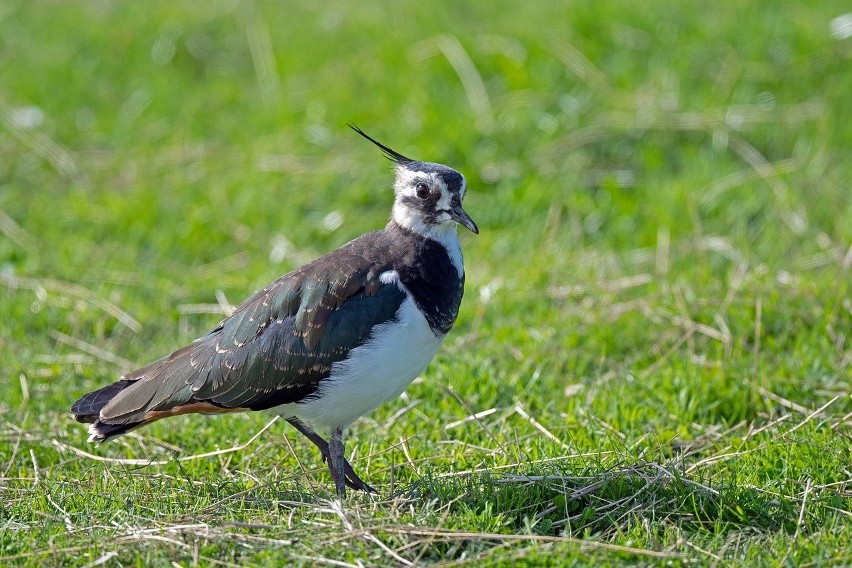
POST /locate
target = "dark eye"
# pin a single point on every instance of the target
(422, 190)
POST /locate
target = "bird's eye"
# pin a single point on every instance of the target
(422, 190)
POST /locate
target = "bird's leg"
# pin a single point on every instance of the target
(336, 458)
(317, 440)
(351, 479)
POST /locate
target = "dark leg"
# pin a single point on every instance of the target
(336, 458)
(350, 478)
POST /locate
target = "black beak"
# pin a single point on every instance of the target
(462, 218)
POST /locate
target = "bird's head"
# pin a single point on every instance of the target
(428, 196)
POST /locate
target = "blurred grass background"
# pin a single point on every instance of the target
(655, 334)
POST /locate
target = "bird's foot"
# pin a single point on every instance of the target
(341, 470)
(355, 482)
(350, 478)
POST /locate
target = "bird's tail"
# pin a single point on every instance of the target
(158, 390)
(87, 409)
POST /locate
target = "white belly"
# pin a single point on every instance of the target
(378, 371)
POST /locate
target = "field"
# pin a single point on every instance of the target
(652, 361)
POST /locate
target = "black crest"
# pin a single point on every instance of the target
(391, 155)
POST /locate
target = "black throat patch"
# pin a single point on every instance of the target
(425, 269)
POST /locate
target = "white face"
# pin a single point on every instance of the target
(424, 200)
(428, 196)
(428, 201)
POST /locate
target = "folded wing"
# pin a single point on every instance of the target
(274, 349)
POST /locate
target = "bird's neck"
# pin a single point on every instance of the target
(444, 235)
(431, 272)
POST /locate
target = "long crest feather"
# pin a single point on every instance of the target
(390, 154)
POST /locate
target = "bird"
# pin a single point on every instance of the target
(326, 343)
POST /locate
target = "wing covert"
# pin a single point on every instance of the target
(280, 364)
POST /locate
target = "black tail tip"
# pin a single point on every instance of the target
(88, 407)
(102, 432)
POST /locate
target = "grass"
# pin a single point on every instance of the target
(652, 362)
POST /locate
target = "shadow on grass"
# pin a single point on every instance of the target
(605, 503)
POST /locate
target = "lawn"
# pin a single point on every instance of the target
(652, 361)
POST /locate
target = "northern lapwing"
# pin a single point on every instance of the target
(326, 343)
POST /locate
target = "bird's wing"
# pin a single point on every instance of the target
(274, 348)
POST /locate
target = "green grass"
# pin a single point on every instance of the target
(657, 323)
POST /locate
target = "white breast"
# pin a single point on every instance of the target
(378, 371)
